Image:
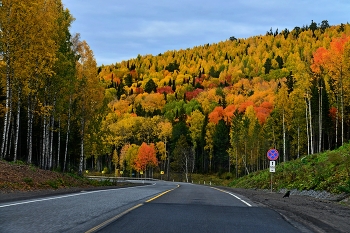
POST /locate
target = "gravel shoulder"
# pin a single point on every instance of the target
(308, 213)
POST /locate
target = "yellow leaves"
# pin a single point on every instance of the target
(165, 130)
(196, 122)
(208, 100)
(209, 134)
(115, 158)
(161, 150)
(123, 130)
(31, 31)
(131, 152)
(120, 107)
(250, 113)
(150, 102)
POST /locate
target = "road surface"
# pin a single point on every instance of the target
(158, 207)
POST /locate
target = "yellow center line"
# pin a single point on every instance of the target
(159, 195)
(96, 228)
(112, 219)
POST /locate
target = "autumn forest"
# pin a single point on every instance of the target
(215, 108)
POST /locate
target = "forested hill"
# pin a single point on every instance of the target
(228, 103)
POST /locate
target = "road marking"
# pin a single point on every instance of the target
(112, 219)
(65, 196)
(159, 195)
(96, 228)
(234, 196)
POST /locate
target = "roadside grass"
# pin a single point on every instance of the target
(213, 179)
(18, 176)
(329, 171)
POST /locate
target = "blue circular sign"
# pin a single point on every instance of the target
(272, 154)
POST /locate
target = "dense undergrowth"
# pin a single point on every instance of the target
(329, 171)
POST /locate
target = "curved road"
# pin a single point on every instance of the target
(158, 207)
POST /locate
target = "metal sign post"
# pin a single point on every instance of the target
(272, 170)
(272, 155)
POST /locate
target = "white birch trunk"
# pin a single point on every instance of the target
(284, 138)
(307, 127)
(8, 136)
(58, 142)
(311, 134)
(336, 123)
(186, 168)
(342, 109)
(67, 134)
(320, 122)
(47, 140)
(82, 147)
(43, 143)
(30, 130)
(8, 100)
(17, 125)
(51, 141)
(52, 127)
(6, 118)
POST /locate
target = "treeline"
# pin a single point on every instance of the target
(49, 85)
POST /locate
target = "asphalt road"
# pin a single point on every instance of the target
(73, 213)
(159, 207)
(195, 208)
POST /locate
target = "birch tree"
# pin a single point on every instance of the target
(89, 93)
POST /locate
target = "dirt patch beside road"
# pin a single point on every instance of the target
(307, 213)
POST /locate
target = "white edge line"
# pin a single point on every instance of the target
(234, 196)
(65, 196)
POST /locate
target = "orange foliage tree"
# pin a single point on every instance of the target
(146, 157)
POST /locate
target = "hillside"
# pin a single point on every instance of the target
(328, 171)
(24, 178)
(232, 101)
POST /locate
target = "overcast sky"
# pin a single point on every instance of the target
(120, 30)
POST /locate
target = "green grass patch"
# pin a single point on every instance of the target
(28, 180)
(329, 171)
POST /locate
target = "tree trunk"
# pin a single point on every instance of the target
(17, 125)
(43, 144)
(186, 168)
(67, 134)
(30, 130)
(298, 141)
(80, 172)
(342, 108)
(320, 122)
(336, 122)
(311, 133)
(8, 108)
(307, 127)
(7, 121)
(284, 138)
(51, 132)
(236, 161)
(58, 143)
(50, 152)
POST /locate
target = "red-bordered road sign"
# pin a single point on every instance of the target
(272, 154)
